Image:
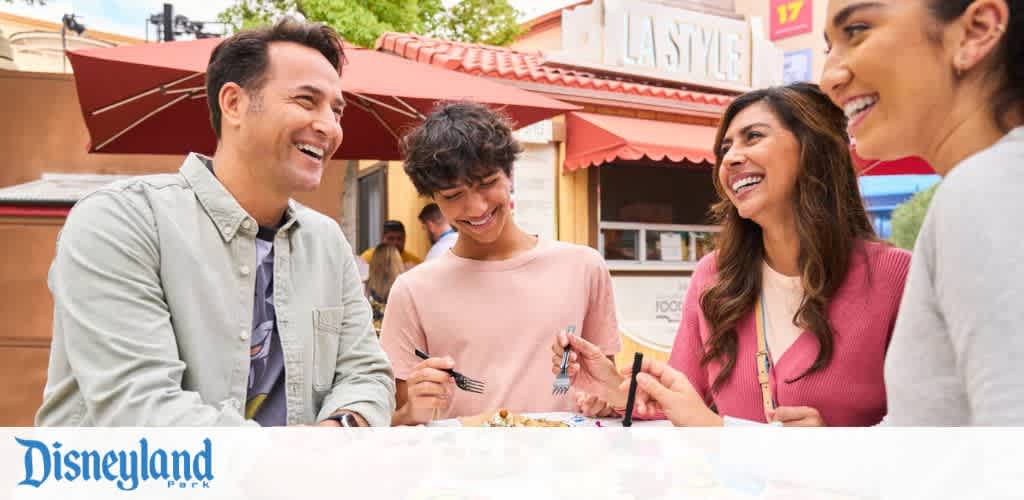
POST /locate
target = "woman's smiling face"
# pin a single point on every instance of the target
(889, 74)
(760, 163)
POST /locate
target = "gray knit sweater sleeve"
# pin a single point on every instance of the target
(958, 344)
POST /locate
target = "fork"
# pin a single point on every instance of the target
(561, 385)
(461, 381)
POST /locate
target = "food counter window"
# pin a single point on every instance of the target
(655, 215)
(658, 244)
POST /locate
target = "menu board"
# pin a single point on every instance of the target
(671, 246)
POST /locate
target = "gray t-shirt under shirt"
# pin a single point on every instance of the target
(959, 339)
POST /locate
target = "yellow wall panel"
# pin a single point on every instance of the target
(404, 204)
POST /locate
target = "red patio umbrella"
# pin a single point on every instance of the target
(151, 99)
(903, 166)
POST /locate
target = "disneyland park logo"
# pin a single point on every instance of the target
(125, 468)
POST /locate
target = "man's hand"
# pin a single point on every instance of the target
(589, 369)
(428, 389)
(796, 416)
(663, 390)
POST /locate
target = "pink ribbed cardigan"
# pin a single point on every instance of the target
(850, 391)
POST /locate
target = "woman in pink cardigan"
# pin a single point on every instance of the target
(798, 261)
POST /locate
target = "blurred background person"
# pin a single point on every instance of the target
(393, 234)
(385, 267)
(442, 235)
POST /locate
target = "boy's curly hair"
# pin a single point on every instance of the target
(458, 142)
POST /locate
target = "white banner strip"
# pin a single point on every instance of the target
(465, 463)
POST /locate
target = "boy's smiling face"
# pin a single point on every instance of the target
(480, 210)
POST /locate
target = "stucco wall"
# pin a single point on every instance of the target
(27, 247)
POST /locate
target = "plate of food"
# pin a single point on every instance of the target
(506, 418)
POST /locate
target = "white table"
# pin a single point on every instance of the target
(570, 418)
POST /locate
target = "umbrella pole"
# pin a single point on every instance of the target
(140, 120)
(189, 90)
(415, 115)
(161, 88)
(411, 109)
(376, 115)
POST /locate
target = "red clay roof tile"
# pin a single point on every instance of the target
(501, 62)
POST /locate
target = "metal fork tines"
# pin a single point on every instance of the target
(561, 385)
(463, 382)
(467, 384)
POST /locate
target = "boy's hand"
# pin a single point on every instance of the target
(429, 389)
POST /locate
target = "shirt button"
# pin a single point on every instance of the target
(226, 229)
(244, 270)
(247, 224)
(243, 335)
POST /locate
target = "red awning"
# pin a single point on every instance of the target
(592, 140)
(904, 166)
(33, 211)
(151, 99)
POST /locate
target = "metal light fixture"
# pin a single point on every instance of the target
(68, 22)
(170, 26)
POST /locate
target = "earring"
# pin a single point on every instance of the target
(958, 67)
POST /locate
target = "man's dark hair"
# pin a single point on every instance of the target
(393, 226)
(431, 213)
(242, 58)
(458, 142)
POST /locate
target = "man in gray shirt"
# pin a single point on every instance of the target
(210, 297)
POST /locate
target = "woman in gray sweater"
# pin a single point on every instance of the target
(944, 80)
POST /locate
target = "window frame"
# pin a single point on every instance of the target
(642, 264)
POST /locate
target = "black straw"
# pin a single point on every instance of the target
(638, 360)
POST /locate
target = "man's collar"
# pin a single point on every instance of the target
(222, 208)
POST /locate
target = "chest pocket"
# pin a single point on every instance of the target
(327, 323)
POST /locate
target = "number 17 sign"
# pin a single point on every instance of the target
(790, 17)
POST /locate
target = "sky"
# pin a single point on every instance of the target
(128, 17)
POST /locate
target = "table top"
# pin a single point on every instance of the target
(572, 419)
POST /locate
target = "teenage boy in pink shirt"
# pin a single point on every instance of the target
(491, 306)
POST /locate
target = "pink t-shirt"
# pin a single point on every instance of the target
(498, 319)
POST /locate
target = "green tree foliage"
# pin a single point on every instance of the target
(249, 13)
(482, 21)
(362, 21)
(908, 217)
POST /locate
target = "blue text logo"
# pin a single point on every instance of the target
(125, 468)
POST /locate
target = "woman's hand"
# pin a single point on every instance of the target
(796, 416)
(590, 405)
(662, 389)
(589, 369)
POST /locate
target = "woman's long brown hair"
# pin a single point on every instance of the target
(830, 219)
